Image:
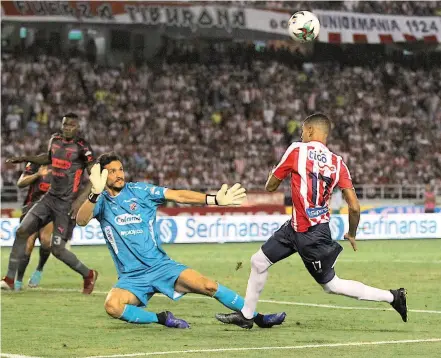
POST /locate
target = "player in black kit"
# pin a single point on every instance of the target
(37, 179)
(69, 155)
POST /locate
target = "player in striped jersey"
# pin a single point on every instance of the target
(314, 172)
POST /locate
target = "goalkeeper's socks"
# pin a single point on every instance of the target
(229, 298)
(133, 314)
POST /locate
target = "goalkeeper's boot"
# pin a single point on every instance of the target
(35, 279)
(269, 320)
(400, 302)
(236, 318)
(167, 319)
(7, 283)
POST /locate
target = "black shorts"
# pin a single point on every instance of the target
(316, 248)
(26, 209)
(50, 208)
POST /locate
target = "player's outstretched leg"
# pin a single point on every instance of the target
(63, 229)
(45, 251)
(24, 262)
(28, 226)
(7, 282)
(360, 291)
(123, 305)
(191, 281)
(256, 282)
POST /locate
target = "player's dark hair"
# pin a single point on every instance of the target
(319, 119)
(108, 158)
(71, 115)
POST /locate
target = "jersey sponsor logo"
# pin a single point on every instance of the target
(168, 230)
(127, 219)
(109, 236)
(321, 159)
(44, 187)
(315, 212)
(61, 164)
(132, 232)
(133, 206)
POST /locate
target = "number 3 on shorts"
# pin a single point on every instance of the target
(56, 240)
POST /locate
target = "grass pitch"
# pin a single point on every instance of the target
(58, 321)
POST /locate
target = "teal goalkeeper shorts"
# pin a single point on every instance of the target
(158, 279)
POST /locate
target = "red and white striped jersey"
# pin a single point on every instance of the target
(315, 171)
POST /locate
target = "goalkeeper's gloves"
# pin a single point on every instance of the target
(234, 196)
(98, 179)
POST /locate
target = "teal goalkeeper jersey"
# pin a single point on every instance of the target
(128, 223)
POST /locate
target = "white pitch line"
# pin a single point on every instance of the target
(434, 262)
(290, 303)
(8, 355)
(330, 345)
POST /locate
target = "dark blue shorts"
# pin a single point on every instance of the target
(316, 248)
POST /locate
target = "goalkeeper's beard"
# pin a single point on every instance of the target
(117, 188)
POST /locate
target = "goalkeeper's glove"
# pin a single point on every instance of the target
(234, 196)
(98, 179)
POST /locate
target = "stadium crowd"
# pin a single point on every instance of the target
(199, 125)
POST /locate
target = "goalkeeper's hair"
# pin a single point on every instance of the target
(108, 158)
(319, 120)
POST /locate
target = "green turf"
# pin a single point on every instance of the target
(67, 324)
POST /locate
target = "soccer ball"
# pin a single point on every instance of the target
(303, 26)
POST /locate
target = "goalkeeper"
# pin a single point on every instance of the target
(127, 215)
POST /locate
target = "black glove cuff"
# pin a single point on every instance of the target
(211, 200)
(93, 198)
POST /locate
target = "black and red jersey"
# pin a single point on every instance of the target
(39, 187)
(69, 159)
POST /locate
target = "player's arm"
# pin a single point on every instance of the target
(41, 159)
(283, 169)
(98, 181)
(82, 196)
(224, 197)
(272, 184)
(27, 179)
(85, 213)
(354, 210)
(345, 184)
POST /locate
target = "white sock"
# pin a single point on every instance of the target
(357, 290)
(256, 282)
